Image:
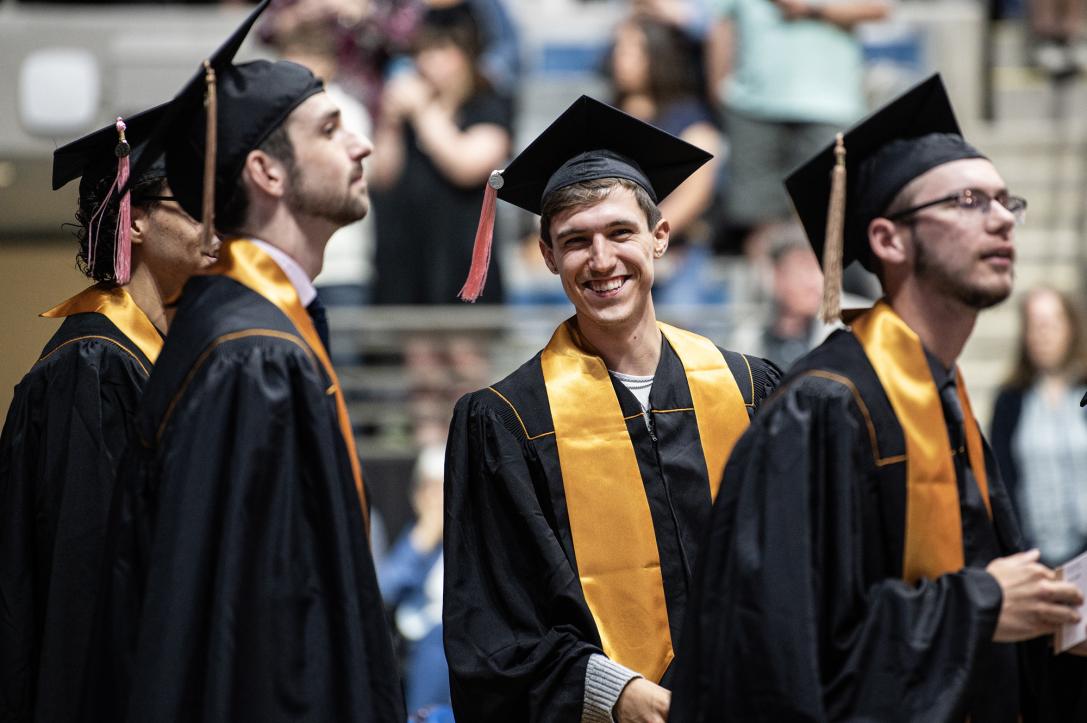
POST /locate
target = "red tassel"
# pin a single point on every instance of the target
(122, 247)
(481, 251)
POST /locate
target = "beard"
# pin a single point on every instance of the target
(974, 296)
(320, 201)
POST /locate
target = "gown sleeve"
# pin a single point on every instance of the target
(241, 584)
(518, 634)
(794, 619)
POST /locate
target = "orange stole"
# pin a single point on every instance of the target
(933, 543)
(610, 521)
(247, 264)
(116, 304)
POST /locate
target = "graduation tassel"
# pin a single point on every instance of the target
(211, 110)
(832, 247)
(122, 246)
(481, 250)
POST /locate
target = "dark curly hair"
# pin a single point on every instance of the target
(91, 194)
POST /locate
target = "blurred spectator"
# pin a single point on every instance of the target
(411, 579)
(794, 328)
(361, 36)
(1059, 45)
(1039, 431)
(690, 16)
(656, 72)
(655, 75)
(790, 74)
(442, 130)
(500, 57)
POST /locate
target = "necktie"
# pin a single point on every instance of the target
(316, 311)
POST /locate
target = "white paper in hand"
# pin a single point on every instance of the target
(1075, 572)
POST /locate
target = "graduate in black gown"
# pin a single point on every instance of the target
(863, 560)
(73, 412)
(240, 582)
(578, 486)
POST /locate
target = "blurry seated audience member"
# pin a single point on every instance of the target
(500, 43)
(655, 73)
(1039, 430)
(441, 131)
(362, 36)
(411, 583)
(794, 328)
(1057, 26)
(690, 16)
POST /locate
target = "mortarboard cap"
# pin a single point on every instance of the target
(589, 141)
(219, 116)
(108, 154)
(869, 165)
(94, 156)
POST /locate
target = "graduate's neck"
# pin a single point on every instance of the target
(628, 348)
(148, 294)
(941, 322)
(303, 238)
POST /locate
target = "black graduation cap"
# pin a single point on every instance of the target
(874, 160)
(590, 140)
(108, 155)
(94, 156)
(223, 113)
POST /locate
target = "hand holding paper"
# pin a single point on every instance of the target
(1035, 601)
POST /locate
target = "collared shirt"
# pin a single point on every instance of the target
(294, 272)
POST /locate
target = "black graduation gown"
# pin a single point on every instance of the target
(65, 432)
(518, 632)
(240, 582)
(799, 611)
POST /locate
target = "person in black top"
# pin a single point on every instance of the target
(441, 130)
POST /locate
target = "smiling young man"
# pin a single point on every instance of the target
(864, 561)
(577, 487)
(73, 413)
(241, 585)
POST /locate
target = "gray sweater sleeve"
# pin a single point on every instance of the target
(604, 682)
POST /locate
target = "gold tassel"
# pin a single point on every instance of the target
(833, 240)
(210, 151)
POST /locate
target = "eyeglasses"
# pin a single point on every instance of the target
(973, 199)
(146, 199)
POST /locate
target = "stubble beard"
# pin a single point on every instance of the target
(970, 295)
(306, 199)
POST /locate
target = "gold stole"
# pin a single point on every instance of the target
(116, 304)
(247, 264)
(933, 543)
(610, 521)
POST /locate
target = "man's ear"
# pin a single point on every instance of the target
(548, 256)
(266, 173)
(661, 235)
(887, 242)
(140, 225)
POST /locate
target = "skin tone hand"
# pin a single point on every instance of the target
(793, 9)
(643, 702)
(405, 96)
(1035, 602)
(427, 500)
